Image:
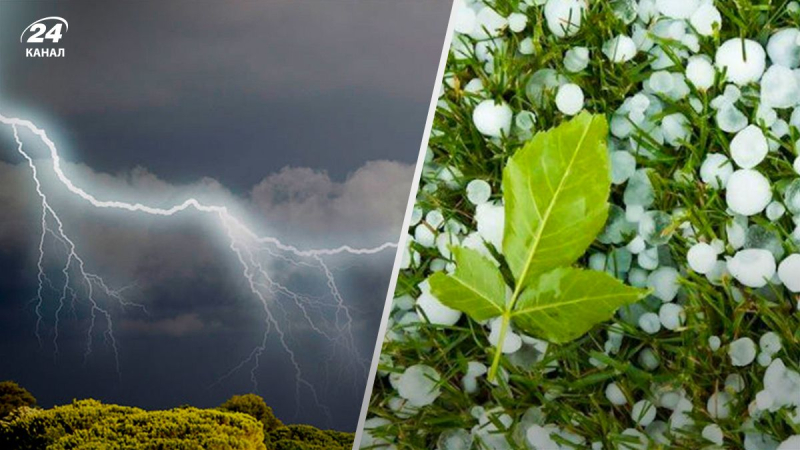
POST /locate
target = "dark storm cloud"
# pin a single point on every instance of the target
(322, 84)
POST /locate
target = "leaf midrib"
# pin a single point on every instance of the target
(479, 294)
(546, 217)
(558, 305)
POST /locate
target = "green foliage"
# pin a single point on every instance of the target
(556, 192)
(13, 396)
(306, 437)
(476, 287)
(89, 424)
(243, 422)
(255, 406)
(565, 303)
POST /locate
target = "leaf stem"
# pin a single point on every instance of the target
(499, 347)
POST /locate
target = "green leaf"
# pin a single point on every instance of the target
(476, 287)
(565, 303)
(556, 192)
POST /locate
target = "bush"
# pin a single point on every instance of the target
(13, 396)
(255, 406)
(89, 424)
(306, 437)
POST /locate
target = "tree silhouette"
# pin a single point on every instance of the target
(255, 406)
(13, 396)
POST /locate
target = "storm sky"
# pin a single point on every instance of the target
(305, 115)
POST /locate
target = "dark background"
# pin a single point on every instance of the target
(307, 115)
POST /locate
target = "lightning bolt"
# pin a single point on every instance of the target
(252, 251)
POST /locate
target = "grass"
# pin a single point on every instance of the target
(572, 396)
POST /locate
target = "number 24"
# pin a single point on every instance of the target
(39, 29)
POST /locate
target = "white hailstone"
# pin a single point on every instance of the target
(492, 119)
(491, 219)
(676, 129)
(649, 323)
(464, 18)
(677, 9)
(648, 359)
(661, 82)
(742, 351)
(419, 385)
(643, 413)
(436, 312)
(615, 395)
(619, 49)
(765, 115)
(747, 192)
(368, 440)
(623, 166)
(569, 99)
(763, 359)
(705, 18)
(671, 316)
(637, 277)
(789, 272)
(714, 343)
(737, 233)
(526, 46)
(478, 191)
(680, 419)
(775, 210)
(636, 245)
(444, 242)
(715, 170)
(564, 17)
(476, 369)
(539, 437)
(779, 87)
(719, 405)
(525, 120)
(416, 215)
(713, 433)
(792, 443)
(702, 257)
(597, 261)
(783, 48)
(783, 384)
(511, 343)
(424, 236)
(718, 245)
(734, 382)
(435, 219)
(753, 267)
(700, 72)
(648, 259)
(749, 147)
(470, 382)
(488, 24)
(770, 343)
(764, 400)
(517, 22)
(730, 119)
(664, 282)
(692, 42)
(657, 432)
(741, 67)
(635, 440)
(576, 59)
(634, 213)
(474, 86)
(454, 439)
